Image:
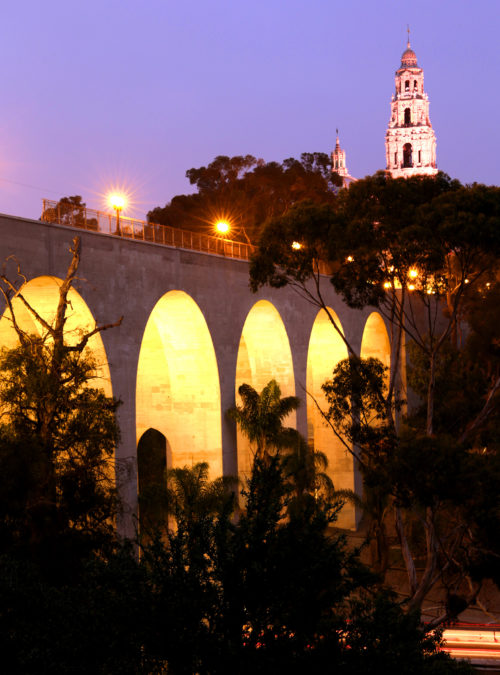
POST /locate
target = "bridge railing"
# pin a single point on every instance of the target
(141, 230)
(132, 228)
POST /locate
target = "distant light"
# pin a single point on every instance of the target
(222, 227)
(413, 274)
(296, 245)
(349, 258)
(387, 284)
(411, 287)
(117, 201)
(466, 281)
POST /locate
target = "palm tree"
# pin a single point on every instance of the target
(192, 497)
(305, 468)
(261, 416)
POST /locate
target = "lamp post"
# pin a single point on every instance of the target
(117, 202)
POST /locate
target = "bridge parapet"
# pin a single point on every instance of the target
(140, 230)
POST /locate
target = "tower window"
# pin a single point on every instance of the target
(407, 156)
(395, 159)
(420, 157)
(415, 85)
(407, 85)
(407, 117)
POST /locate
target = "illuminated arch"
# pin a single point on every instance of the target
(178, 391)
(42, 293)
(326, 349)
(375, 342)
(264, 354)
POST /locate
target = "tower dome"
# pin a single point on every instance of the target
(409, 58)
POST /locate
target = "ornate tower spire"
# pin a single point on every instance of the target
(410, 142)
(338, 159)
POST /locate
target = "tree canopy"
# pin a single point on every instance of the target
(424, 252)
(246, 192)
(58, 433)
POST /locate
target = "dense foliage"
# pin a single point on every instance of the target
(58, 433)
(424, 252)
(245, 192)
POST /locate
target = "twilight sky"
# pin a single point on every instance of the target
(96, 93)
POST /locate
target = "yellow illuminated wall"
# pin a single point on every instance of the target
(326, 349)
(375, 342)
(43, 295)
(178, 391)
(263, 355)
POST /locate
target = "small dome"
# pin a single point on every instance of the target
(409, 58)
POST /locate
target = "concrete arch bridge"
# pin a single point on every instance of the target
(192, 332)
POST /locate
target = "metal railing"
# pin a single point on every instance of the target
(140, 230)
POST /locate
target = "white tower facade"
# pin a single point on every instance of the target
(339, 165)
(338, 159)
(410, 141)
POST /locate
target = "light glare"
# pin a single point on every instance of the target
(117, 201)
(222, 227)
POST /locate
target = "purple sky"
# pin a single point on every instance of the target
(135, 92)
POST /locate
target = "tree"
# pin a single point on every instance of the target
(410, 248)
(304, 467)
(57, 438)
(261, 417)
(71, 211)
(246, 192)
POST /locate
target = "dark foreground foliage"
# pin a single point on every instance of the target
(265, 595)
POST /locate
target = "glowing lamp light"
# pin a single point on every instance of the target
(411, 287)
(413, 274)
(117, 202)
(296, 246)
(349, 258)
(387, 284)
(222, 227)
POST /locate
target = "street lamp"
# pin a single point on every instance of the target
(222, 227)
(117, 202)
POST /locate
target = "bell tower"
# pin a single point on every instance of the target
(410, 142)
(339, 165)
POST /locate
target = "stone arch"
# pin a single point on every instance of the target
(263, 354)
(42, 293)
(375, 342)
(177, 389)
(326, 349)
